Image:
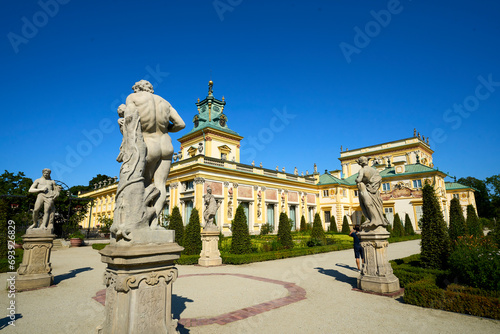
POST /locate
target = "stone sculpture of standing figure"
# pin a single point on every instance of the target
(211, 207)
(368, 182)
(47, 191)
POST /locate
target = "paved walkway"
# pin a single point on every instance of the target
(311, 294)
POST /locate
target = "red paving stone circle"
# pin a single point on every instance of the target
(296, 293)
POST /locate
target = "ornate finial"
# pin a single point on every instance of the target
(414, 132)
(427, 141)
(210, 87)
(340, 148)
(223, 99)
(198, 99)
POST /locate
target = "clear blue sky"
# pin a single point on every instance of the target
(65, 70)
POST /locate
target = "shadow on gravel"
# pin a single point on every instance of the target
(346, 266)
(71, 274)
(338, 276)
(4, 322)
(178, 306)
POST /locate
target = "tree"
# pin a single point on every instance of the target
(240, 243)
(345, 226)
(398, 229)
(317, 232)
(4, 236)
(333, 225)
(408, 226)
(483, 203)
(303, 224)
(435, 241)
(493, 183)
(96, 179)
(284, 232)
(192, 234)
(457, 226)
(11, 184)
(473, 225)
(176, 225)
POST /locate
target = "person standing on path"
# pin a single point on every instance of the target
(358, 250)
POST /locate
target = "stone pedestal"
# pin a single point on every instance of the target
(210, 255)
(35, 271)
(139, 281)
(376, 275)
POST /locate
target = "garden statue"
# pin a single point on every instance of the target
(368, 182)
(211, 206)
(47, 191)
(146, 155)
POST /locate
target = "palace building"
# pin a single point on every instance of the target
(210, 157)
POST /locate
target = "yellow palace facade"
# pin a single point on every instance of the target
(210, 157)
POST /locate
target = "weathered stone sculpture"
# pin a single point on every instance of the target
(140, 258)
(211, 207)
(369, 181)
(47, 191)
(35, 271)
(376, 274)
(210, 254)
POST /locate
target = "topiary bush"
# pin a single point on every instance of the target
(177, 225)
(265, 229)
(240, 243)
(473, 225)
(435, 242)
(475, 261)
(192, 234)
(284, 232)
(457, 226)
(408, 226)
(303, 224)
(345, 226)
(398, 229)
(317, 232)
(333, 225)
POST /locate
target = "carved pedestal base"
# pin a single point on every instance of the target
(35, 270)
(210, 255)
(376, 275)
(139, 281)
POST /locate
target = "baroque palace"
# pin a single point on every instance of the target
(210, 157)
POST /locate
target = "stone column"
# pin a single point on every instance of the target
(376, 275)
(210, 254)
(35, 271)
(139, 281)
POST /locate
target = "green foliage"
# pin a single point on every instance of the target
(408, 226)
(317, 232)
(77, 235)
(265, 229)
(389, 228)
(72, 225)
(333, 225)
(192, 234)
(457, 226)
(164, 220)
(177, 225)
(284, 231)
(482, 196)
(104, 223)
(345, 226)
(240, 243)
(475, 261)
(435, 241)
(11, 184)
(473, 225)
(493, 184)
(5, 262)
(303, 224)
(98, 246)
(4, 236)
(398, 229)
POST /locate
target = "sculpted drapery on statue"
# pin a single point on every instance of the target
(211, 206)
(146, 154)
(368, 182)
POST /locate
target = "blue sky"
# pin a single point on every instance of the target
(350, 73)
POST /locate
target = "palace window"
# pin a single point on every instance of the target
(356, 193)
(189, 185)
(327, 216)
(417, 184)
(325, 193)
(389, 214)
(457, 196)
(386, 186)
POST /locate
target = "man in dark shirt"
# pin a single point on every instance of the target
(358, 250)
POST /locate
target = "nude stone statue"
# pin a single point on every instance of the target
(211, 206)
(157, 118)
(368, 182)
(47, 191)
